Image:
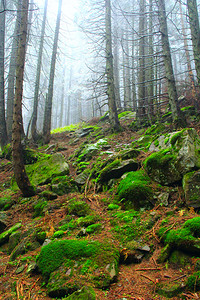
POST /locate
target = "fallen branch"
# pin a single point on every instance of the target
(182, 276)
(148, 278)
(149, 269)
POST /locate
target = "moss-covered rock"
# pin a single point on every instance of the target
(169, 290)
(45, 170)
(62, 185)
(86, 293)
(3, 221)
(135, 192)
(69, 264)
(14, 240)
(4, 236)
(6, 203)
(161, 167)
(93, 228)
(78, 208)
(116, 169)
(179, 259)
(185, 238)
(193, 282)
(40, 207)
(191, 187)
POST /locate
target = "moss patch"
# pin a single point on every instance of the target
(135, 191)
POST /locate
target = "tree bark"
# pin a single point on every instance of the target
(195, 33)
(37, 81)
(11, 73)
(141, 113)
(113, 116)
(18, 163)
(48, 107)
(3, 130)
(172, 92)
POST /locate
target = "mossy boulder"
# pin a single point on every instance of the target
(3, 221)
(143, 142)
(70, 264)
(62, 185)
(6, 203)
(14, 240)
(185, 239)
(78, 208)
(169, 290)
(86, 293)
(179, 155)
(191, 187)
(45, 170)
(116, 169)
(40, 207)
(161, 167)
(179, 259)
(135, 191)
(4, 236)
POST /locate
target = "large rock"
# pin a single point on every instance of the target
(70, 264)
(135, 191)
(179, 155)
(4, 236)
(45, 170)
(3, 221)
(191, 187)
(116, 169)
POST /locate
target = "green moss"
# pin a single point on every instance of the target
(135, 190)
(58, 234)
(78, 208)
(86, 293)
(54, 254)
(155, 129)
(123, 114)
(39, 208)
(88, 220)
(179, 236)
(69, 226)
(93, 228)
(105, 170)
(86, 266)
(71, 127)
(160, 158)
(187, 108)
(156, 143)
(113, 206)
(193, 281)
(193, 225)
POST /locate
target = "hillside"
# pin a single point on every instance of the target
(118, 213)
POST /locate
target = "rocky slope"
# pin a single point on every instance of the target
(116, 216)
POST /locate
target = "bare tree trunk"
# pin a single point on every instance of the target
(141, 73)
(18, 163)
(37, 81)
(195, 32)
(48, 108)
(11, 74)
(187, 54)
(3, 130)
(116, 68)
(62, 100)
(172, 92)
(113, 116)
(69, 97)
(151, 63)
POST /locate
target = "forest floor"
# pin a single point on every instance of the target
(135, 281)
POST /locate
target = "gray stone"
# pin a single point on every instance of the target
(31, 267)
(191, 187)
(180, 157)
(20, 269)
(81, 179)
(3, 221)
(117, 171)
(163, 198)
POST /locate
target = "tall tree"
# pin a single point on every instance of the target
(38, 72)
(48, 106)
(195, 32)
(3, 130)
(18, 163)
(141, 72)
(172, 92)
(113, 116)
(11, 73)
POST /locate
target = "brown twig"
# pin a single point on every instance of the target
(182, 276)
(147, 278)
(149, 269)
(29, 292)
